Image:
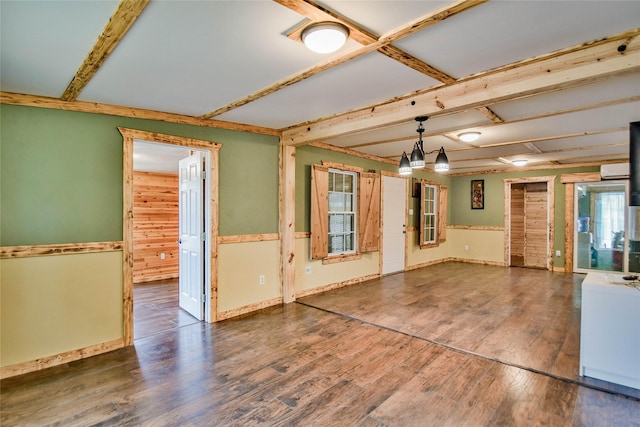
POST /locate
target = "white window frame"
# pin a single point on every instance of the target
(353, 212)
(433, 213)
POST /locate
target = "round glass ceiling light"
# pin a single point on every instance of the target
(469, 136)
(519, 162)
(325, 37)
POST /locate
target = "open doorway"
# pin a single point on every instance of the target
(205, 208)
(529, 213)
(156, 229)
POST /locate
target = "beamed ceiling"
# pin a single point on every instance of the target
(551, 82)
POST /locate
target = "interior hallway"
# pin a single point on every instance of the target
(451, 344)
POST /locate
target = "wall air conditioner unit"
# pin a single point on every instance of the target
(615, 171)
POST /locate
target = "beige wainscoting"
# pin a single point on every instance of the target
(328, 276)
(240, 266)
(55, 308)
(484, 245)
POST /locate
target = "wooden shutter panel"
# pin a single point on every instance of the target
(442, 214)
(421, 213)
(319, 212)
(369, 212)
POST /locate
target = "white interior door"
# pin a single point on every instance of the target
(393, 223)
(191, 235)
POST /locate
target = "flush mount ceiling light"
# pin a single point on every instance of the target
(417, 154)
(325, 37)
(469, 136)
(519, 162)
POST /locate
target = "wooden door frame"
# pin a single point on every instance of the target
(550, 181)
(384, 173)
(211, 189)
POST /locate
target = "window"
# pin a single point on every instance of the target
(345, 212)
(342, 212)
(430, 214)
(433, 218)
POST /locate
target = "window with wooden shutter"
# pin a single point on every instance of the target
(369, 214)
(433, 214)
(345, 212)
(442, 215)
(319, 211)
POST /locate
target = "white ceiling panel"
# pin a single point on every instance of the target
(363, 81)
(620, 87)
(497, 33)
(43, 43)
(192, 57)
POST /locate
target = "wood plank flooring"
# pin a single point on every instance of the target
(365, 355)
(156, 308)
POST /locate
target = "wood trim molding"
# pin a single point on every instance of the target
(550, 180)
(478, 227)
(128, 136)
(571, 178)
(303, 234)
(337, 285)
(340, 258)
(352, 152)
(117, 26)
(566, 68)
(58, 249)
(136, 113)
(248, 308)
(59, 359)
(569, 224)
(342, 166)
(248, 238)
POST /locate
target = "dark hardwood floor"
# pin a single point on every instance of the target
(448, 345)
(156, 308)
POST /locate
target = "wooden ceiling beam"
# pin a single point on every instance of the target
(10, 98)
(119, 23)
(371, 44)
(563, 69)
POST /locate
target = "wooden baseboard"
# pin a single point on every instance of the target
(153, 278)
(59, 359)
(248, 308)
(337, 285)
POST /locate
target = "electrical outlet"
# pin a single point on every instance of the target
(307, 270)
(466, 247)
(261, 279)
(162, 256)
(558, 253)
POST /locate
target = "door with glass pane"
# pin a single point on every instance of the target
(600, 211)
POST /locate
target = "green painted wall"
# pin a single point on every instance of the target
(61, 176)
(307, 156)
(460, 212)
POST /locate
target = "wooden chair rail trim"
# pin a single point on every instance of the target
(478, 227)
(59, 359)
(303, 234)
(58, 249)
(246, 238)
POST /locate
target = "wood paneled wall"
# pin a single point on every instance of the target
(155, 226)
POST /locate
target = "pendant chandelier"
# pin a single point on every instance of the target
(417, 154)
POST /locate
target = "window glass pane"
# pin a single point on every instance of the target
(336, 202)
(339, 182)
(336, 223)
(348, 183)
(336, 243)
(348, 242)
(349, 223)
(348, 206)
(331, 178)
